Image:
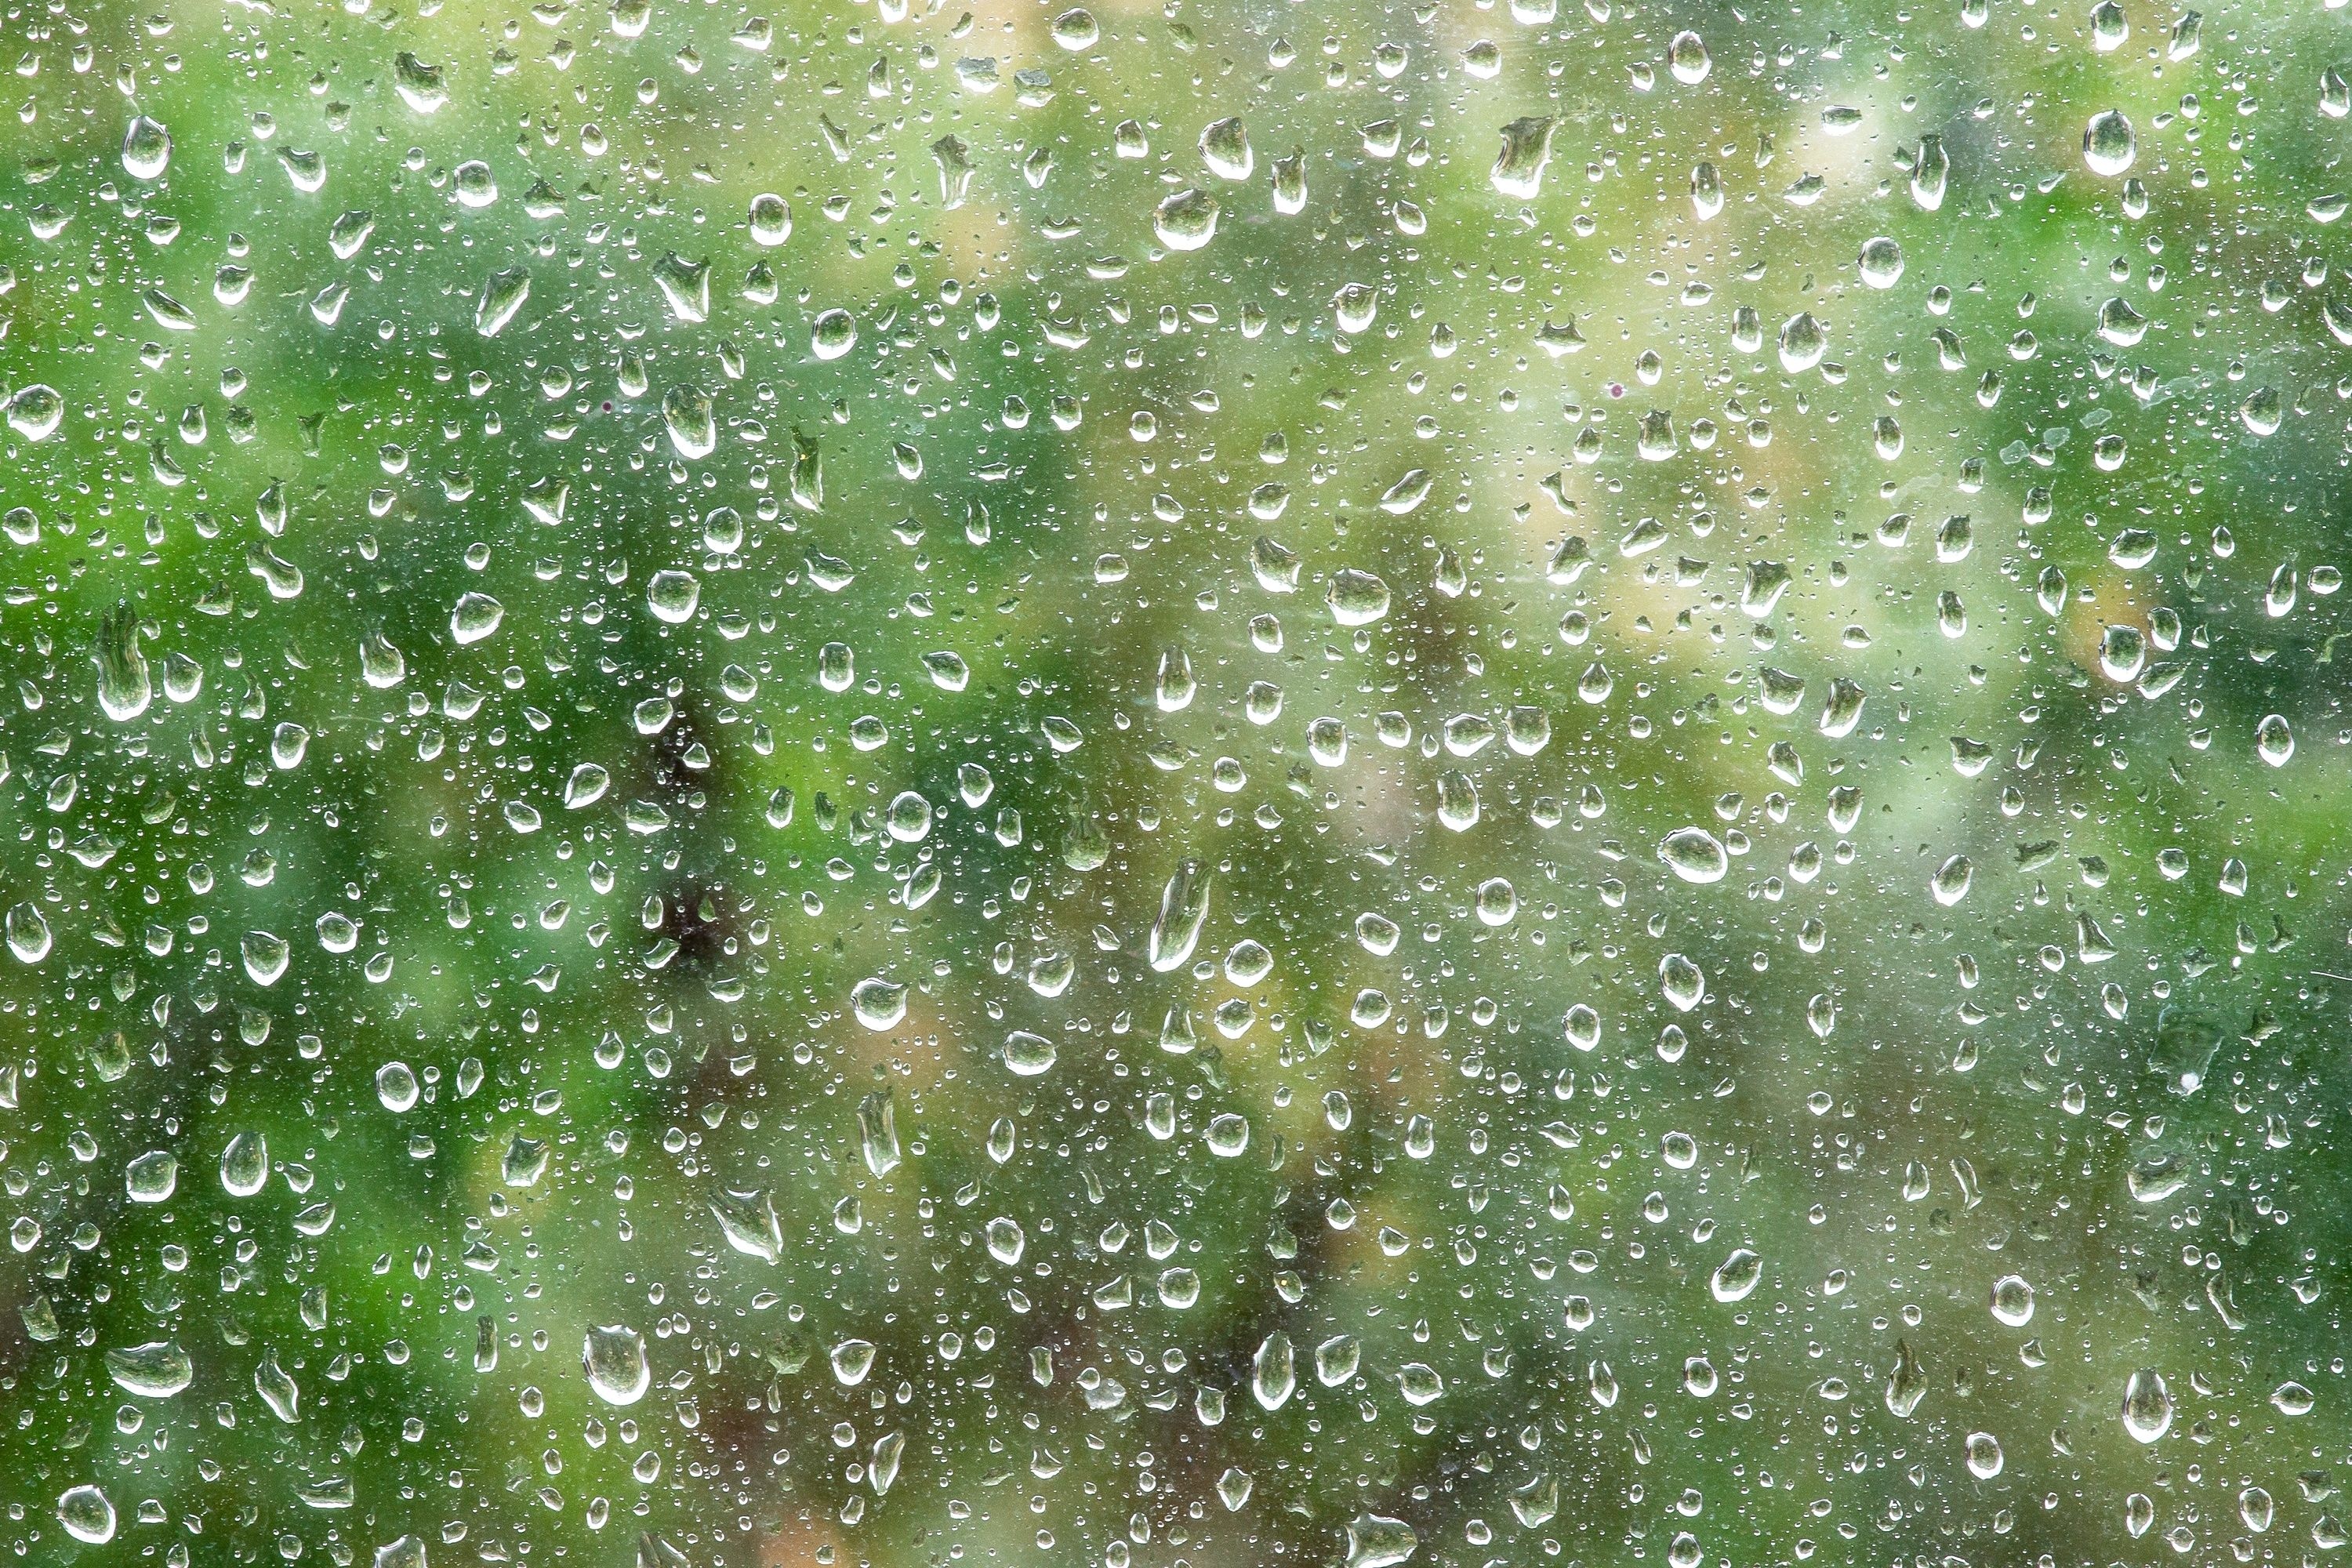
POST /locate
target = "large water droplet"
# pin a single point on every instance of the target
(1028, 1055)
(87, 1515)
(1356, 598)
(152, 1177)
(1681, 982)
(1687, 58)
(1272, 1374)
(1803, 342)
(1738, 1276)
(1186, 219)
(245, 1164)
(615, 1360)
(1184, 907)
(1881, 262)
(851, 1359)
(28, 933)
(672, 596)
(474, 616)
(2109, 143)
(879, 1004)
(1527, 147)
(772, 219)
(1694, 854)
(2273, 742)
(36, 411)
(2148, 1406)
(157, 1370)
(1376, 1540)
(146, 149)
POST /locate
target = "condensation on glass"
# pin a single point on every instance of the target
(1174, 785)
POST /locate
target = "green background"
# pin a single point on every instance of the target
(1051, 452)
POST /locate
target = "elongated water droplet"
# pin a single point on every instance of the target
(614, 1357)
(245, 1164)
(1737, 1277)
(146, 149)
(1906, 1384)
(1272, 1375)
(157, 1370)
(503, 294)
(1694, 854)
(2148, 1406)
(1527, 147)
(1681, 982)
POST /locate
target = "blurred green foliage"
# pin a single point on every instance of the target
(979, 725)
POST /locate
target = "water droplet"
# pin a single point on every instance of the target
(152, 1177)
(266, 955)
(474, 616)
(1186, 219)
(1519, 167)
(503, 294)
(1694, 854)
(1681, 982)
(1028, 1055)
(1375, 1541)
(615, 1360)
(691, 418)
(749, 1221)
(2109, 143)
(396, 1088)
(1356, 598)
(36, 412)
(1803, 342)
(672, 596)
(1687, 58)
(2148, 1406)
(851, 1359)
(146, 149)
(157, 1370)
(770, 220)
(1906, 1384)
(420, 85)
(245, 1164)
(87, 1515)
(1881, 262)
(2273, 742)
(1272, 1375)
(879, 1004)
(1225, 147)
(1738, 1276)
(28, 933)
(833, 335)
(1183, 908)
(1227, 1134)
